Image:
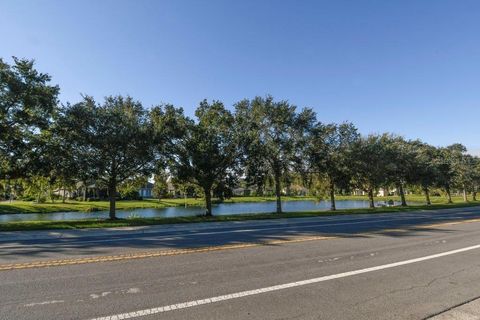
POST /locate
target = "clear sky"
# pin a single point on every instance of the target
(408, 67)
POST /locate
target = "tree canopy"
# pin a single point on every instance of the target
(270, 145)
(113, 139)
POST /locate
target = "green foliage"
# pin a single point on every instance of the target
(270, 145)
(370, 164)
(160, 184)
(113, 140)
(329, 157)
(272, 136)
(207, 152)
(128, 189)
(27, 105)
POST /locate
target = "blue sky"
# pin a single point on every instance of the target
(408, 67)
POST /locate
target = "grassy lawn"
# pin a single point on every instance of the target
(99, 223)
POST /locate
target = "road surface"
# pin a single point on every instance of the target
(385, 266)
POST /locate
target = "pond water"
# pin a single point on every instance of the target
(218, 209)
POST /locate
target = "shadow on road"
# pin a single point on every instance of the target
(110, 242)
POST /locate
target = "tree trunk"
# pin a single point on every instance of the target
(449, 195)
(474, 195)
(208, 202)
(332, 196)
(278, 192)
(370, 198)
(427, 196)
(50, 193)
(402, 195)
(185, 196)
(63, 197)
(9, 191)
(85, 192)
(112, 193)
(465, 199)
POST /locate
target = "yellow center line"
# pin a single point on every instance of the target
(174, 252)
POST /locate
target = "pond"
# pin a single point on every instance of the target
(218, 209)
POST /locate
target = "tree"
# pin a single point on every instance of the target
(128, 189)
(272, 135)
(329, 154)
(447, 163)
(424, 172)
(370, 164)
(466, 176)
(208, 150)
(114, 138)
(475, 177)
(27, 104)
(160, 184)
(400, 157)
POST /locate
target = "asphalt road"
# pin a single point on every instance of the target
(386, 266)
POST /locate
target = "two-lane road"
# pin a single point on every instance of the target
(386, 266)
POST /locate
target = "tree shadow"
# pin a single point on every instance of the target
(74, 244)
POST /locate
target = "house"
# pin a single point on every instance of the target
(358, 192)
(146, 191)
(241, 192)
(382, 192)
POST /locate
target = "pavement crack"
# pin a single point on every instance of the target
(413, 287)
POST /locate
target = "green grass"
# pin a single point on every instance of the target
(99, 223)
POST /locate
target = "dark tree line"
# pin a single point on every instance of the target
(118, 140)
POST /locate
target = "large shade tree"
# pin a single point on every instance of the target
(370, 164)
(329, 154)
(475, 178)
(207, 151)
(400, 157)
(424, 172)
(114, 139)
(272, 134)
(447, 162)
(28, 102)
(465, 179)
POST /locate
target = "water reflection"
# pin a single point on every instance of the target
(218, 209)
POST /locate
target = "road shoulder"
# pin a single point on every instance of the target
(467, 311)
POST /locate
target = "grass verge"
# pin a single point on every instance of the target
(100, 223)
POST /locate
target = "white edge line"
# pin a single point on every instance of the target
(193, 303)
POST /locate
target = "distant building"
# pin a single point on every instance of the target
(241, 192)
(146, 191)
(359, 192)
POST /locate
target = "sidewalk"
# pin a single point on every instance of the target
(468, 311)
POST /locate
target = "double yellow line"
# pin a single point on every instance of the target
(174, 252)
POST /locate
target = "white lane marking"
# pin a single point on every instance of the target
(133, 290)
(43, 303)
(123, 291)
(183, 305)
